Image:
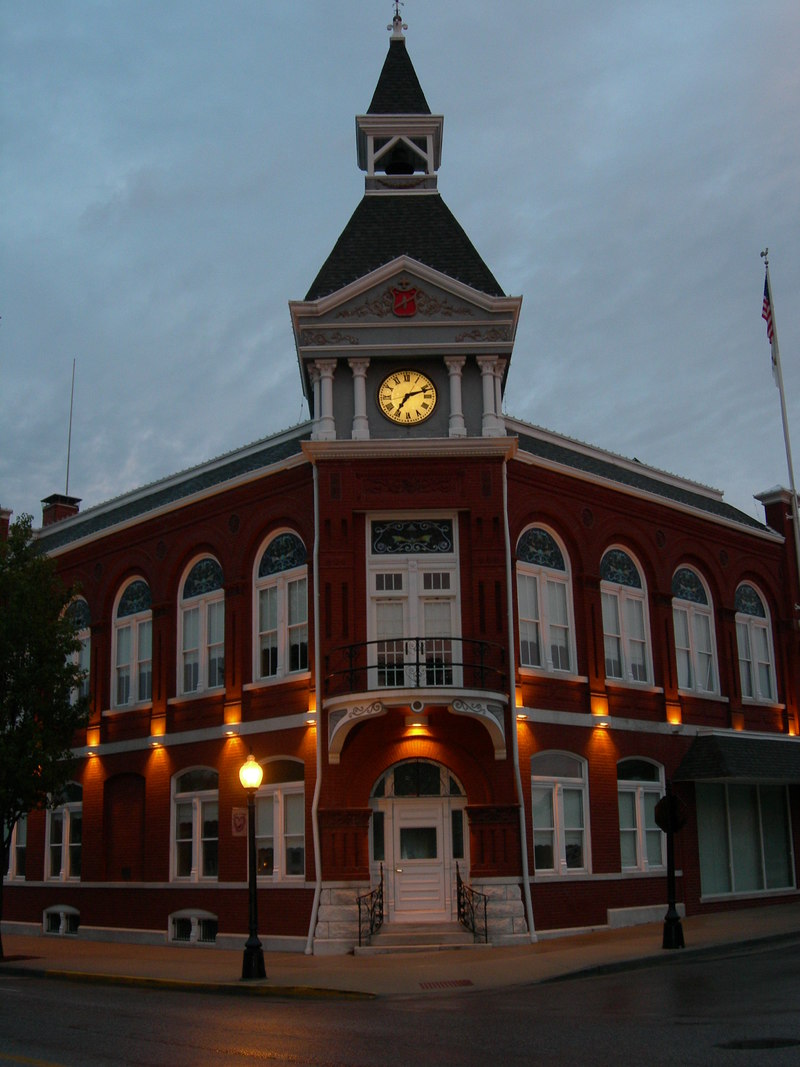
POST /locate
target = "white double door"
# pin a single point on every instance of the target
(414, 612)
(419, 868)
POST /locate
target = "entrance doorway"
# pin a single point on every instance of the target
(418, 834)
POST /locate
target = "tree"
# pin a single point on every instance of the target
(40, 710)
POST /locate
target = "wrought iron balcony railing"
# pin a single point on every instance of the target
(415, 663)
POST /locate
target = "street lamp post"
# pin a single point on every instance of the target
(250, 775)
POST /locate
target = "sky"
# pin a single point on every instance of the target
(174, 172)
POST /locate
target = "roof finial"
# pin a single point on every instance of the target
(397, 25)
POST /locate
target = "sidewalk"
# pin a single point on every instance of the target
(289, 974)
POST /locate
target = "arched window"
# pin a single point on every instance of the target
(693, 619)
(17, 849)
(754, 637)
(626, 625)
(281, 821)
(64, 834)
(560, 803)
(281, 608)
(202, 628)
(79, 614)
(640, 786)
(544, 598)
(196, 824)
(133, 646)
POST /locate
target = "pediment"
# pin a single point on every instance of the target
(402, 309)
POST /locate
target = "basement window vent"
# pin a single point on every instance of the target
(192, 927)
(62, 920)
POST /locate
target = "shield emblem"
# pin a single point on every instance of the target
(405, 302)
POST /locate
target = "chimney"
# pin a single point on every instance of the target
(5, 521)
(58, 507)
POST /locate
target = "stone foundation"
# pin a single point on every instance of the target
(505, 912)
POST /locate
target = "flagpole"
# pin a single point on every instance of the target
(776, 366)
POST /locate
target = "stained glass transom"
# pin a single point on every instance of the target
(687, 586)
(618, 567)
(748, 602)
(204, 577)
(539, 547)
(283, 553)
(637, 770)
(412, 537)
(78, 612)
(196, 781)
(136, 598)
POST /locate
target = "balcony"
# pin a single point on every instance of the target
(448, 663)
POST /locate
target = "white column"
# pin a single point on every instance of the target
(360, 422)
(326, 426)
(313, 374)
(490, 424)
(499, 370)
(455, 366)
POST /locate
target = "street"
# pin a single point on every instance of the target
(735, 1007)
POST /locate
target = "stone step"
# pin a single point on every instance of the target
(418, 937)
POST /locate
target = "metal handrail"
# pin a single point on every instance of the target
(472, 907)
(372, 905)
(430, 662)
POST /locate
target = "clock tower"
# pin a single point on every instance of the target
(405, 332)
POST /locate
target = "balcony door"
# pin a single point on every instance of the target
(414, 620)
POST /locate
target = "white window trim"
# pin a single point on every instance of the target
(202, 603)
(693, 610)
(544, 575)
(278, 792)
(625, 593)
(12, 871)
(67, 812)
(197, 799)
(281, 582)
(82, 659)
(639, 788)
(755, 622)
(557, 784)
(134, 621)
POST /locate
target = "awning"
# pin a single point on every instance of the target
(717, 757)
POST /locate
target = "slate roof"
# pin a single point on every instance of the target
(644, 480)
(171, 490)
(714, 757)
(385, 226)
(398, 91)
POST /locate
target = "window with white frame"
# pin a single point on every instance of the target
(544, 599)
(640, 786)
(754, 638)
(626, 625)
(281, 821)
(560, 804)
(695, 644)
(64, 835)
(745, 838)
(196, 824)
(17, 849)
(133, 646)
(79, 614)
(202, 628)
(281, 608)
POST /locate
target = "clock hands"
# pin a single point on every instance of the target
(414, 392)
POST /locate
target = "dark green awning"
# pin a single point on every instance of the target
(717, 757)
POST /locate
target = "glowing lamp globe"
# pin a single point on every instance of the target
(251, 773)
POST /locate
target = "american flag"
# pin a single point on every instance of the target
(766, 311)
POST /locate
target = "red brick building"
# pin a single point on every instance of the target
(452, 639)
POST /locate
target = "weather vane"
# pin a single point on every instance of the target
(765, 257)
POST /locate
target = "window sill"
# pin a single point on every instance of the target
(279, 679)
(754, 702)
(199, 694)
(145, 705)
(561, 676)
(639, 687)
(703, 694)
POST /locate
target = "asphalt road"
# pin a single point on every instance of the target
(733, 1008)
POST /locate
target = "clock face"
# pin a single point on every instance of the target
(407, 397)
